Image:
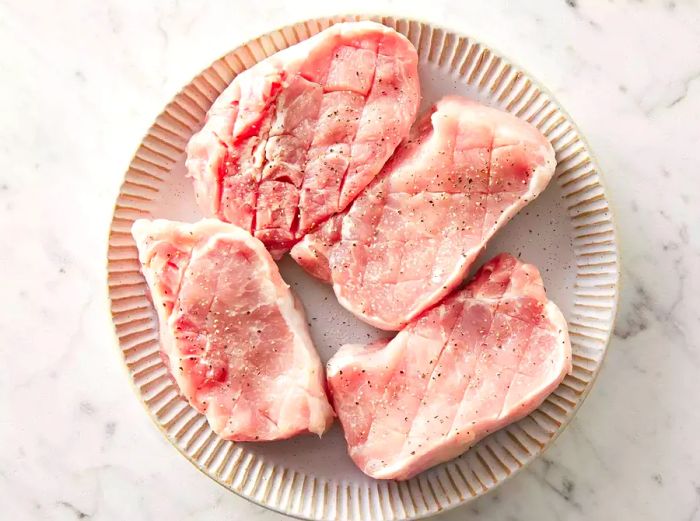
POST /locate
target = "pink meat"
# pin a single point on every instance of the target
(234, 336)
(486, 357)
(409, 239)
(312, 252)
(296, 137)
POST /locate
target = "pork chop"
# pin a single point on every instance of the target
(412, 235)
(296, 137)
(312, 252)
(233, 334)
(486, 357)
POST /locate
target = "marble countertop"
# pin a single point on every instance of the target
(81, 83)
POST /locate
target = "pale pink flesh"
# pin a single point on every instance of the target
(296, 137)
(312, 252)
(485, 357)
(412, 235)
(235, 338)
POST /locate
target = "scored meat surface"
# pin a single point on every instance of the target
(485, 357)
(234, 336)
(412, 235)
(313, 251)
(296, 137)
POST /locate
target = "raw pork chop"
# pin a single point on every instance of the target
(313, 251)
(487, 356)
(234, 336)
(296, 137)
(412, 235)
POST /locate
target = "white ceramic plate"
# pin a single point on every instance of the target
(567, 232)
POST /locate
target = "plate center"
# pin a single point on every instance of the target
(330, 323)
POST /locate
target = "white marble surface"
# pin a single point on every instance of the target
(81, 82)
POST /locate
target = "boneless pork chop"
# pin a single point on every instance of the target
(234, 336)
(312, 252)
(296, 137)
(412, 235)
(485, 357)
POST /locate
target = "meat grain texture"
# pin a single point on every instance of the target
(294, 139)
(313, 251)
(232, 333)
(485, 357)
(410, 238)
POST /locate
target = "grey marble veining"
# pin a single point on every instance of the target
(82, 81)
